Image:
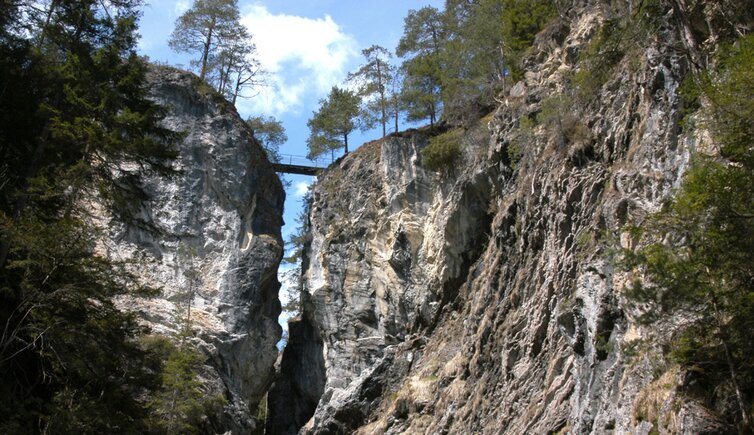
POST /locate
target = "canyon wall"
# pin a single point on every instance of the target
(485, 298)
(209, 239)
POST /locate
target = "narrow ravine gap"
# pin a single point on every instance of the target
(300, 371)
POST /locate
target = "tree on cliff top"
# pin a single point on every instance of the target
(421, 45)
(374, 79)
(236, 66)
(202, 28)
(338, 115)
(270, 132)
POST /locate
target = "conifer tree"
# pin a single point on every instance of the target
(202, 28)
(236, 65)
(373, 80)
(473, 67)
(422, 40)
(702, 267)
(76, 127)
(338, 115)
(270, 132)
(521, 21)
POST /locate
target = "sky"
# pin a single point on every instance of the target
(306, 46)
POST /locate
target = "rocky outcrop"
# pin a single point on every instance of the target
(210, 239)
(486, 299)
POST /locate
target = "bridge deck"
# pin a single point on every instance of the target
(297, 169)
(290, 164)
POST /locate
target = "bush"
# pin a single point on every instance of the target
(443, 151)
(559, 118)
(523, 138)
(703, 272)
(599, 59)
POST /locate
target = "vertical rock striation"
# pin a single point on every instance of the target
(486, 299)
(218, 220)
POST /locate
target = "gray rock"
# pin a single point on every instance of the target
(487, 299)
(224, 208)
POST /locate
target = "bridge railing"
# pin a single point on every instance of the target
(293, 160)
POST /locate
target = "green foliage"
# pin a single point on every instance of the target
(557, 115)
(227, 57)
(521, 21)
(423, 37)
(61, 331)
(235, 67)
(373, 80)
(473, 68)
(423, 32)
(76, 130)
(599, 58)
(731, 109)
(704, 270)
(457, 60)
(421, 93)
(181, 404)
(625, 33)
(443, 151)
(270, 132)
(337, 117)
(523, 138)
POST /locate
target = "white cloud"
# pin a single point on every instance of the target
(303, 55)
(301, 188)
(181, 6)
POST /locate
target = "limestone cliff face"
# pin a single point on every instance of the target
(219, 221)
(486, 299)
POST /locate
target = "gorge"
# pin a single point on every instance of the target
(566, 248)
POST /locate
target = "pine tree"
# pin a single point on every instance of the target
(423, 39)
(373, 80)
(182, 402)
(337, 117)
(270, 132)
(703, 266)
(202, 28)
(521, 21)
(236, 66)
(76, 129)
(473, 68)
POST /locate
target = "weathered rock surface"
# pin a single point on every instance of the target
(219, 220)
(486, 299)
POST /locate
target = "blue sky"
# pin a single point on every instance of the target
(307, 46)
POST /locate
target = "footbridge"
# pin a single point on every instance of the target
(290, 164)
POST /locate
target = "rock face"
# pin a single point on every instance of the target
(486, 299)
(217, 247)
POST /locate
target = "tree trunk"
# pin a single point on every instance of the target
(383, 101)
(48, 18)
(731, 365)
(384, 121)
(345, 143)
(687, 34)
(239, 83)
(20, 204)
(205, 53)
(734, 380)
